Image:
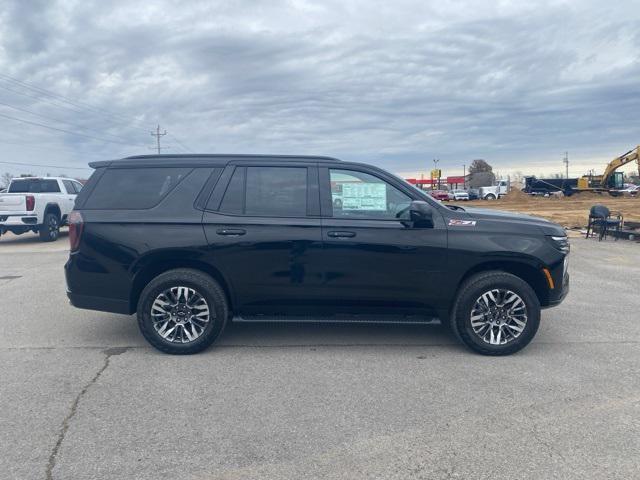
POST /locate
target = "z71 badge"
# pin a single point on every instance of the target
(461, 223)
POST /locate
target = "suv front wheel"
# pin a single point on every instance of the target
(182, 311)
(495, 313)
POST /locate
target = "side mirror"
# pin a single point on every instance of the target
(421, 214)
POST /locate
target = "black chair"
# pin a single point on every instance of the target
(601, 217)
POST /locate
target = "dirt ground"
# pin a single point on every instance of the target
(570, 212)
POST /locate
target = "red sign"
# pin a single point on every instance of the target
(421, 181)
(453, 180)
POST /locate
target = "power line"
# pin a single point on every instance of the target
(59, 148)
(63, 130)
(64, 121)
(36, 97)
(45, 166)
(184, 147)
(75, 103)
(79, 106)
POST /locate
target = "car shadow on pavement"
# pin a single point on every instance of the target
(334, 334)
(29, 238)
(123, 331)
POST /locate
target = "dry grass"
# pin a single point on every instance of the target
(570, 212)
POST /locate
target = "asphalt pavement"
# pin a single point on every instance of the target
(82, 396)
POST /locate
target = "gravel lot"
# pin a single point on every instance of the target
(82, 396)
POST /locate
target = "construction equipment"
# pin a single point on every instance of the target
(610, 181)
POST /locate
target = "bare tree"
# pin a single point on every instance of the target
(479, 165)
(5, 179)
(481, 174)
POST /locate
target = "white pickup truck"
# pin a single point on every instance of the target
(37, 204)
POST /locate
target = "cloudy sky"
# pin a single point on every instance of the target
(392, 83)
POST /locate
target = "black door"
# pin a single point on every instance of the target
(374, 259)
(263, 228)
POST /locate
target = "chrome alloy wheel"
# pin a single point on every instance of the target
(499, 316)
(180, 314)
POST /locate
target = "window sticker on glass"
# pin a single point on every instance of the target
(361, 196)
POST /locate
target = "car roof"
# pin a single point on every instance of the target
(208, 160)
(42, 178)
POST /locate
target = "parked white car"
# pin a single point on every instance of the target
(39, 205)
(458, 195)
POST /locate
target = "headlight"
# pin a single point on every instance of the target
(561, 243)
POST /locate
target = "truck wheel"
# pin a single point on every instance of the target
(50, 228)
(182, 311)
(490, 196)
(495, 313)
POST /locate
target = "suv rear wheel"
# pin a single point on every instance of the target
(182, 311)
(495, 313)
(50, 229)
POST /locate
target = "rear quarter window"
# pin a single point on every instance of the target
(134, 188)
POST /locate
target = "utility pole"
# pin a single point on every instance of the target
(566, 163)
(464, 176)
(157, 134)
(435, 163)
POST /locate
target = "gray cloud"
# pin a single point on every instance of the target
(396, 84)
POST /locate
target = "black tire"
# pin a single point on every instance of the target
(206, 287)
(50, 229)
(490, 196)
(471, 290)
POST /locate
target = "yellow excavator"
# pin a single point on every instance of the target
(610, 180)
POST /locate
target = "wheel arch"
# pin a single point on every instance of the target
(52, 208)
(527, 272)
(150, 268)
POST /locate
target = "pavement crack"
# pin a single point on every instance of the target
(109, 352)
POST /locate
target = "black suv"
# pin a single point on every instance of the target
(190, 242)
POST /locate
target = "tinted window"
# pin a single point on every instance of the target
(134, 188)
(276, 191)
(34, 185)
(69, 186)
(267, 191)
(361, 195)
(233, 200)
(78, 186)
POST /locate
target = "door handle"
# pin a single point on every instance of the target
(231, 232)
(341, 234)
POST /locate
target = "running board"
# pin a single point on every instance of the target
(364, 319)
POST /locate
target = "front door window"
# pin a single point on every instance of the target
(364, 196)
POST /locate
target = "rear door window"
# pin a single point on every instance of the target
(69, 186)
(267, 191)
(276, 191)
(134, 188)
